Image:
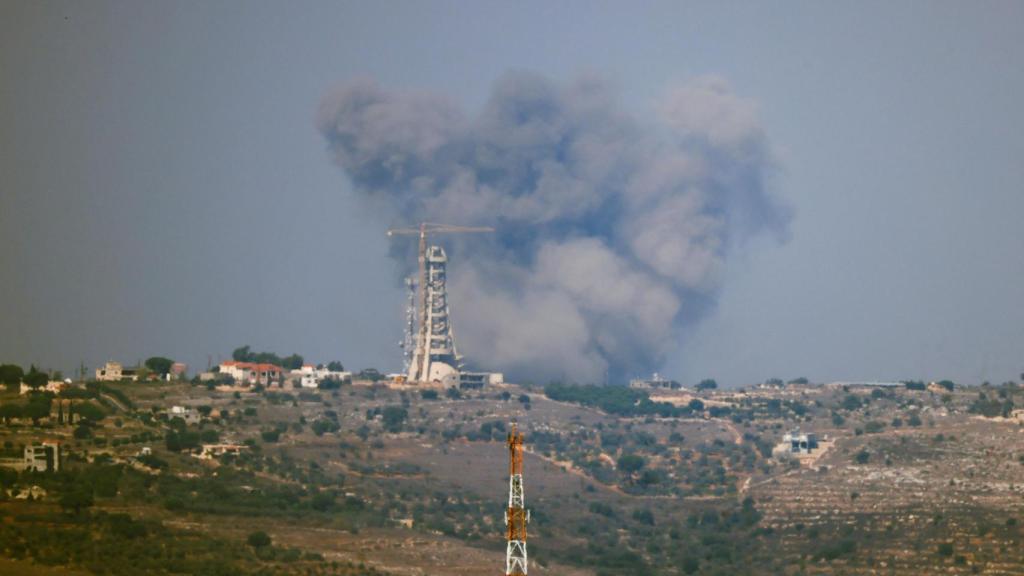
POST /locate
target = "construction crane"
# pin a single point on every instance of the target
(418, 361)
(516, 515)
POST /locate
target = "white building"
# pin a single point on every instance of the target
(211, 451)
(189, 415)
(251, 372)
(54, 386)
(114, 372)
(310, 376)
(42, 457)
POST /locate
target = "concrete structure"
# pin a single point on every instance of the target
(251, 372)
(42, 457)
(656, 381)
(310, 376)
(114, 372)
(800, 443)
(435, 358)
(54, 386)
(178, 370)
(211, 451)
(189, 415)
(477, 380)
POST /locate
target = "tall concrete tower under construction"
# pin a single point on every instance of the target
(429, 332)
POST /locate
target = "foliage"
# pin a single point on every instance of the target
(245, 354)
(258, 539)
(393, 417)
(38, 407)
(34, 378)
(617, 400)
(323, 425)
(915, 385)
(9, 410)
(851, 402)
(707, 384)
(991, 407)
(90, 411)
(76, 499)
(371, 374)
(630, 463)
(184, 440)
(159, 365)
(11, 375)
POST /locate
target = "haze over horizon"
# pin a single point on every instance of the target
(166, 189)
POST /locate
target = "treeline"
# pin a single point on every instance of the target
(245, 354)
(618, 400)
(12, 375)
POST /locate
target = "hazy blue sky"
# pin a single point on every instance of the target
(164, 189)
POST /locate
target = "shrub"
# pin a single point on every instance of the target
(258, 539)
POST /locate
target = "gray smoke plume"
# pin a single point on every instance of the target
(612, 232)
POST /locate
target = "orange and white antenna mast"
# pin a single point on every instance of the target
(516, 516)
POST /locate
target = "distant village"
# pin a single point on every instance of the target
(237, 373)
(48, 392)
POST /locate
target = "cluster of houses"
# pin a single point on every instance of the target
(115, 372)
(254, 373)
(235, 372)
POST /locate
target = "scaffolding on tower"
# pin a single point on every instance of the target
(429, 343)
(516, 515)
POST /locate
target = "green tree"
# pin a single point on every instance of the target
(35, 379)
(258, 539)
(631, 463)
(75, 499)
(322, 502)
(159, 365)
(90, 411)
(10, 375)
(241, 354)
(10, 410)
(707, 384)
(293, 362)
(335, 366)
(38, 407)
(394, 416)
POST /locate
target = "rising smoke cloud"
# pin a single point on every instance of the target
(612, 232)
